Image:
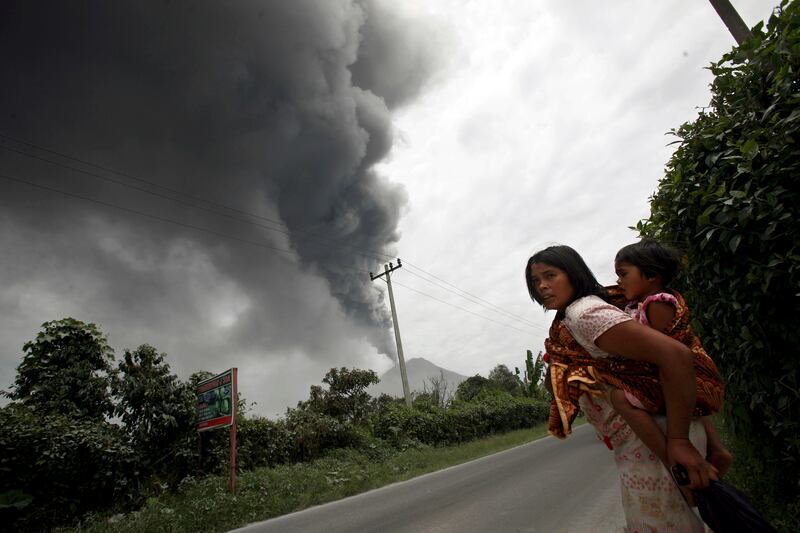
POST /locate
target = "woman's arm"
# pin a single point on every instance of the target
(676, 369)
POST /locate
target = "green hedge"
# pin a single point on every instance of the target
(492, 413)
(729, 200)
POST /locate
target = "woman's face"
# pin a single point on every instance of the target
(553, 286)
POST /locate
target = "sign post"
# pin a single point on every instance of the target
(216, 407)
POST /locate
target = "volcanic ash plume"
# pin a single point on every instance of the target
(279, 108)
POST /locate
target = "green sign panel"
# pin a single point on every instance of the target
(216, 401)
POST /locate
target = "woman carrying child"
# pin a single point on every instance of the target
(589, 329)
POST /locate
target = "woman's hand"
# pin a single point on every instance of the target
(681, 451)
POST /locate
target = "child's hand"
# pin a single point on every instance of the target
(682, 452)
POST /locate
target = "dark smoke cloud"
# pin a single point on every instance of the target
(279, 108)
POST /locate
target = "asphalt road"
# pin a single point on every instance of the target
(544, 486)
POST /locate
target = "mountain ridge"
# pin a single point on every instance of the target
(419, 371)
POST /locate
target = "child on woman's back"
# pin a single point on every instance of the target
(644, 270)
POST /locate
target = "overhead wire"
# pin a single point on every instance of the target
(459, 307)
(380, 256)
(141, 213)
(474, 299)
(304, 234)
(127, 175)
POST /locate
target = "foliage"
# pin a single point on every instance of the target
(158, 413)
(532, 385)
(313, 433)
(346, 398)
(729, 200)
(262, 443)
(66, 369)
(468, 389)
(491, 412)
(67, 466)
(505, 380)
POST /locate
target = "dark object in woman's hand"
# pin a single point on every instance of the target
(723, 507)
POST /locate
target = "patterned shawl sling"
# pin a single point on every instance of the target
(573, 372)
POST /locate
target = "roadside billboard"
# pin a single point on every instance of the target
(216, 401)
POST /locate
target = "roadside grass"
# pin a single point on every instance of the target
(206, 504)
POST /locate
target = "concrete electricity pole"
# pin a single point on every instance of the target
(387, 270)
(732, 20)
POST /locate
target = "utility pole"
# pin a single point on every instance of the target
(732, 20)
(387, 270)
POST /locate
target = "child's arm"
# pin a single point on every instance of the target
(660, 315)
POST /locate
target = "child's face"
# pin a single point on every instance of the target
(553, 286)
(635, 284)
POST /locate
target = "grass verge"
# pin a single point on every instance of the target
(206, 505)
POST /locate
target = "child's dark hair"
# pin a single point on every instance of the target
(568, 260)
(652, 258)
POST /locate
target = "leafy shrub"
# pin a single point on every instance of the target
(729, 199)
(312, 434)
(67, 466)
(262, 442)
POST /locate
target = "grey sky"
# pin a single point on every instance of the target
(459, 135)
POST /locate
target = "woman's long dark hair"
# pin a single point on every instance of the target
(565, 258)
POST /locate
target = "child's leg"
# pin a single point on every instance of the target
(641, 423)
(717, 454)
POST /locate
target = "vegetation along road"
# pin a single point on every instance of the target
(533, 487)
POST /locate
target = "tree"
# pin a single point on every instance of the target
(532, 381)
(505, 379)
(468, 389)
(346, 398)
(67, 369)
(157, 410)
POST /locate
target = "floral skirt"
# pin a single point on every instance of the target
(651, 501)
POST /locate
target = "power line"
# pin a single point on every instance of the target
(216, 233)
(142, 189)
(462, 308)
(372, 254)
(490, 304)
(477, 301)
(294, 234)
(126, 175)
(148, 215)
